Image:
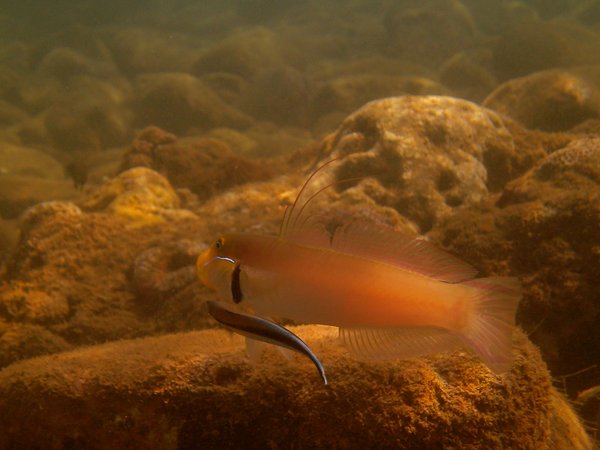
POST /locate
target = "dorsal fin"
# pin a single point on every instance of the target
(368, 240)
(312, 232)
(379, 243)
(307, 193)
(300, 223)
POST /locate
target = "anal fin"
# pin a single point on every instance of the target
(397, 342)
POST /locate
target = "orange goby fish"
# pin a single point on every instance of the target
(391, 295)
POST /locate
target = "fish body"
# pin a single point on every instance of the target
(391, 295)
(321, 285)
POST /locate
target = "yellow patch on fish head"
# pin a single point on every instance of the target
(214, 268)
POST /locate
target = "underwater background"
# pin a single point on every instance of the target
(132, 134)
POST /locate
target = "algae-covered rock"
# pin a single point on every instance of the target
(281, 95)
(179, 102)
(10, 114)
(467, 77)
(24, 340)
(348, 93)
(430, 154)
(26, 303)
(64, 63)
(544, 228)
(198, 390)
(19, 192)
(21, 160)
(86, 113)
(272, 140)
(552, 100)
(245, 52)
(203, 165)
(139, 194)
(141, 50)
(429, 31)
(71, 279)
(535, 45)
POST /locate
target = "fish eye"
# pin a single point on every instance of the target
(219, 243)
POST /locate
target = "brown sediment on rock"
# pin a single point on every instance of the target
(160, 271)
(432, 154)
(535, 46)
(544, 229)
(203, 165)
(139, 194)
(197, 390)
(550, 100)
(70, 279)
(180, 102)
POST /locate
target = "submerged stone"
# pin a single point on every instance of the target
(198, 390)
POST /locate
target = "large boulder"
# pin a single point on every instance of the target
(431, 154)
(544, 228)
(198, 390)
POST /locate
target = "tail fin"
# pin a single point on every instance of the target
(490, 329)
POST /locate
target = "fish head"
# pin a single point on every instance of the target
(215, 267)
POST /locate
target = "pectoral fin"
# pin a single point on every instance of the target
(262, 329)
(254, 349)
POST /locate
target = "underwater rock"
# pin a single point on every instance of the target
(552, 100)
(89, 114)
(37, 94)
(19, 192)
(231, 88)
(10, 114)
(179, 102)
(245, 53)
(265, 11)
(9, 235)
(431, 154)
(21, 160)
(24, 340)
(467, 78)
(535, 46)
(65, 63)
(30, 132)
(198, 390)
(281, 95)
(39, 213)
(140, 50)
(160, 271)
(25, 303)
(348, 93)
(276, 141)
(140, 194)
(203, 165)
(428, 32)
(240, 143)
(373, 64)
(71, 276)
(144, 145)
(544, 228)
(587, 13)
(494, 17)
(255, 207)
